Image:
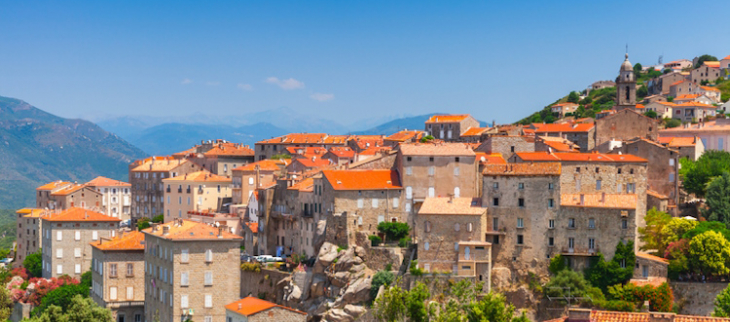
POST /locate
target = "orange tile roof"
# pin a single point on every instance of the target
(447, 118)
(229, 149)
(598, 200)
(695, 104)
(53, 185)
(251, 305)
(159, 164)
(189, 230)
(313, 162)
(106, 182)
(306, 138)
(300, 150)
(362, 179)
(304, 185)
(342, 152)
(665, 103)
(523, 169)
(30, 212)
(78, 214)
(616, 316)
(128, 241)
(441, 148)
(254, 226)
(652, 257)
(639, 106)
(264, 165)
(656, 194)
(712, 64)
(578, 157)
(678, 141)
(711, 89)
(405, 135)
(563, 127)
(560, 144)
(450, 206)
(199, 176)
(490, 158)
(475, 131)
(68, 190)
(687, 96)
(728, 57)
(678, 82)
(565, 104)
(375, 149)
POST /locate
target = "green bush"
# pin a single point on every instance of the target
(427, 138)
(33, 263)
(404, 242)
(394, 230)
(557, 264)
(61, 297)
(415, 271)
(375, 240)
(143, 223)
(158, 219)
(380, 278)
(670, 123)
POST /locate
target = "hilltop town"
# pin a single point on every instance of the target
(321, 227)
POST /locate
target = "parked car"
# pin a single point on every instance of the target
(247, 258)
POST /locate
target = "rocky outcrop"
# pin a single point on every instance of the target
(501, 277)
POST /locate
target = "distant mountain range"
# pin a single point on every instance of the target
(37, 147)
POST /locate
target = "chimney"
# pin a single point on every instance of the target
(578, 315)
(451, 198)
(165, 230)
(661, 317)
(582, 199)
(239, 306)
(220, 232)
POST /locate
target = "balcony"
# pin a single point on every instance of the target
(111, 305)
(579, 251)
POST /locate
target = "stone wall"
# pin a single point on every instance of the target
(20, 311)
(625, 125)
(507, 145)
(696, 298)
(262, 284)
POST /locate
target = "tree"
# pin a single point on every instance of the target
(33, 264)
(415, 303)
(565, 280)
(143, 223)
(394, 230)
(651, 234)
(697, 174)
(380, 278)
(493, 308)
(637, 69)
(651, 114)
(675, 229)
(6, 304)
(573, 97)
(709, 253)
(705, 58)
(722, 303)
(158, 219)
(61, 297)
(718, 199)
(642, 92)
(670, 123)
(80, 310)
(670, 99)
(618, 270)
(390, 306)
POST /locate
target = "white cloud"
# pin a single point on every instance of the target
(245, 87)
(322, 97)
(286, 84)
(209, 83)
(186, 81)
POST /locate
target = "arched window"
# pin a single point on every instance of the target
(425, 245)
(428, 226)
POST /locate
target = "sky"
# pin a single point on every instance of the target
(343, 60)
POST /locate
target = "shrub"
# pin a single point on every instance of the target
(33, 263)
(251, 267)
(158, 219)
(427, 138)
(380, 278)
(341, 248)
(415, 271)
(557, 264)
(394, 230)
(404, 242)
(280, 156)
(375, 240)
(143, 223)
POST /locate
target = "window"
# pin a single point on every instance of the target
(571, 243)
(184, 301)
(495, 224)
(671, 162)
(671, 177)
(624, 224)
(469, 227)
(431, 192)
(130, 269)
(208, 300)
(381, 218)
(467, 253)
(645, 271)
(551, 241)
(59, 269)
(495, 239)
(77, 268)
(457, 192)
(520, 240)
(591, 244)
(208, 278)
(457, 226)
(495, 202)
(375, 202)
(551, 223)
(630, 188)
(431, 171)
(59, 236)
(409, 171)
(409, 193)
(619, 188)
(94, 235)
(577, 184)
(591, 223)
(551, 186)
(425, 245)
(184, 279)
(77, 252)
(208, 255)
(577, 169)
(520, 223)
(130, 293)
(395, 202)
(551, 203)
(571, 222)
(360, 203)
(430, 159)
(521, 186)
(113, 270)
(209, 318)
(428, 226)
(456, 171)
(495, 185)
(113, 293)
(59, 253)
(77, 235)
(521, 202)
(598, 184)
(427, 268)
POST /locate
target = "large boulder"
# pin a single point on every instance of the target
(347, 260)
(337, 315)
(319, 281)
(501, 277)
(295, 294)
(340, 279)
(354, 311)
(327, 255)
(358, 291)
(320, 234)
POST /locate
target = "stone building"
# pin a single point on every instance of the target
(600, 85)
(195, 192)
(340, 155)
(662, 109)
(564, 108)
(450, 127)
(708, 72)
(536, 215)
(267, 148)
(626, 124)
(714, 135)
(554, 144)
(251, 309)
(301, 202)
(582, 134)
(451, 238)
(301, 165)
(67, 238)
(356, 201)
(116, 197)
(60, 195)
(404, 136)
(248, 178)
(27, 234)
(43, 193)
(625, 87)
(681, 87)
(474, 134)
(693, 111)
(222, 158)
(663, 165)
(148, 190)
(436, 170)
(650, 269)
(117, 275)
(191, 269)
(688, 147)
(660, 85)
(506, 145)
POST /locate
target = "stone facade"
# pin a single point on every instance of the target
(507, 145)
(66, 240)
(663, 166)
(705, 73)
(117, 277)
(116, 197)
(625, 125)
(60, 195)
(450, 127)
(625, 87)
(199, 191)
(252, 309)
(146, 177)
(267, 148)
(28, 234)
(650, 269)
(190, 270)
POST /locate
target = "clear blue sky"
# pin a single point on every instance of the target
(346, 60)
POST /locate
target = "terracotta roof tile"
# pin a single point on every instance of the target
(106, 182)
(711, 89)
(198, 176)
(475, 131)
(450, 206)
(53, 185)
(405, 135)
(264, 165)
(342, 152)
(678, 82)
(490, 158)
(229, 149)
(447, 118)
(254, 226)
(30, 212)
(304, 185)
(652, 257)
(313, 162)
(695, 104)
(687, 96)
(441, 149)
(68, 190)
(159, 164)
(362, 179)
(578, 157)
(523, 169)
(712, 64)
(250, 305)
(616, 316)
(301, 150)
(375, 149)
(679, 141)
(563, 127)
(306, 138)
(656, 194)
(189, 230)
(77, 214)
(128, 241)
(598, 200)
(565, 104)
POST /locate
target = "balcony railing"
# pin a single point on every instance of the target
(580, 251)
(124, 304)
